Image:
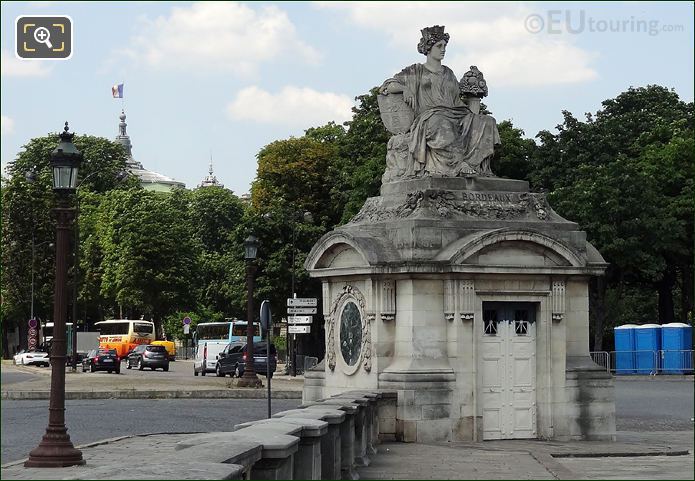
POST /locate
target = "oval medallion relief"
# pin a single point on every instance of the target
(351, 333)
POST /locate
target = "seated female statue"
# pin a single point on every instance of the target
(445, 138)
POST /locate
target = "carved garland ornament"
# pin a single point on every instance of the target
(350, 294)
(331, 343)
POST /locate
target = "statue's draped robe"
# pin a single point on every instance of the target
(446, 138)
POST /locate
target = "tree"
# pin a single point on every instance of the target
(26, 214)
(513, 157)
(625, 175)
(216, 216)
(150, 259)
(295, 176)
(362, 160)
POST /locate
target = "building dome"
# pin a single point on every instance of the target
(149, 180)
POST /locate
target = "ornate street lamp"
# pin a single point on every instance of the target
(56, 449)
(249, 379)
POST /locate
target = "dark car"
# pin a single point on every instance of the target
(102, 360)
(145, 355)
(232, 360)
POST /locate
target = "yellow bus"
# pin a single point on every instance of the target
(124, 334)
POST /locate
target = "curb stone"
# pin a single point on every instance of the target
(557, 470)
(171, 394)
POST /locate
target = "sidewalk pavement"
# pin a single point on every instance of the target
(655, 455)
(79, 385)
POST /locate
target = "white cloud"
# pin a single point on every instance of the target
(225, 36)
(492, 36)
(12, 66)
(292, 106)
(6, 125)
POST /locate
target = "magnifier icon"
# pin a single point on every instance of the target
(42, 35)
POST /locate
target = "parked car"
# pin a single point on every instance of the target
(232, 360)
(26, 358)
(170, 347)
(102, 360)
(147, 355)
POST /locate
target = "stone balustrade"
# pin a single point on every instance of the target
(324, 439)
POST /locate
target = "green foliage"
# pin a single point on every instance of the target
(150, 259)
(27, 213)
(362, 159)
(626, 176)
(280, 343)
(513, 158)
(217, 225)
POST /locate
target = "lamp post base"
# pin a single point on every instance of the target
(249, 381)
(54, 451)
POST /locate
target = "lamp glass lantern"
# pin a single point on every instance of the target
(65, 161)
(250, 248)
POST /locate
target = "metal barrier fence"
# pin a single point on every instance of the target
(602, 358)
(646, 362)
(185, 352)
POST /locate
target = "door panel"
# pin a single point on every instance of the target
(507, 369)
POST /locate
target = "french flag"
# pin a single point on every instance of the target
(117, 91)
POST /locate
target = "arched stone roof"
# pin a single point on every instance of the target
(458, 251)
(368, 251)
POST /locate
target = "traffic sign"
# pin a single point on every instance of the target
(299, 319)
(302, 302)
(186, 320)
(292, 329)
(301, 310)
(33, 331)
(32, 343)
(33, 323)
(266, 315)
(186, 328)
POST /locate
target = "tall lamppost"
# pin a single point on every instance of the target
(249, 379)
(55, 448)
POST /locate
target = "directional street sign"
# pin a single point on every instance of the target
(292, 329)
(299, 319)
(301, 310)
(302, 302)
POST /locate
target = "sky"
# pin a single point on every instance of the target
(221, 80)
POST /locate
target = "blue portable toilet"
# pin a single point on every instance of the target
(676, 345)
(647, 346)
(624, 348)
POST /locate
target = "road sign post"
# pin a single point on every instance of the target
(186, 331)
(267, 323)
(299, 305)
